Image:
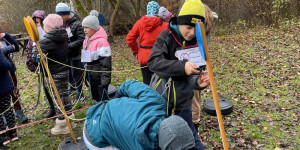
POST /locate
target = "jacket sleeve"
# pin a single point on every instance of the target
(45, 45)
(159, 60)
(132, 36)
(77, 44)
(5, 63)
(7, 50)
(192, 80)
(12, 41)
(105, 62)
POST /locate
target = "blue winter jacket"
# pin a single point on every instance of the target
(6, 84)
(130, 122)
(9, 40)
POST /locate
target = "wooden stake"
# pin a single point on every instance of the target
(214, 90)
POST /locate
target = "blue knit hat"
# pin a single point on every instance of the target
(62, 9)
(152, 9)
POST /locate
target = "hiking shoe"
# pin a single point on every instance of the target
(13, 137)
(6, 140)
(61, 126)
(20, 115)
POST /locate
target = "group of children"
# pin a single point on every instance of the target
(84, 45)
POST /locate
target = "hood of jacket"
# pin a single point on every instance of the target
(150, 22)
(57, 35)
(101, 33)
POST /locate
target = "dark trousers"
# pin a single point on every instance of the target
(187, 116)
(9, 115)
(99, 93)
(76, 75)
(48, 97)
(147, 74)
(61, 82)
(15, 94)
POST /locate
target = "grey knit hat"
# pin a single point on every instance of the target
(91, 22)
(94, 13)
(175, 134)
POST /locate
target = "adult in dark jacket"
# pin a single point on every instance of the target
(7, 39)
(146, 29)
(181, 76)
(6, 86)
(76, 38)
(55, 45)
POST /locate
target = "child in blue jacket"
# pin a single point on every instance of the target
(6, 86)
(136, 121)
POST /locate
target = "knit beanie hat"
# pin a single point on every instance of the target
(53, 21)
(39, 14)
(163, 12)
(191, 11)
(62, 9)
(94, 13)
(91, 22)
(175, 134)
(152, 8)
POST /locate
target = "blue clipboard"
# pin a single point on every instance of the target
(200, 41)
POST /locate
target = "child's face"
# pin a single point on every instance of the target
(188, 32)
(38, 22)
(89, 32)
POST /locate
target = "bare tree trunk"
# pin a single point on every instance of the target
(83, 13)
(112, 18)
(180, 5)
(88, 5)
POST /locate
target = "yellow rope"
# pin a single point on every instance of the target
(21, 93)
(92, 70)
(54, 99)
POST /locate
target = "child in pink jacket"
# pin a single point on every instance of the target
(96, 54)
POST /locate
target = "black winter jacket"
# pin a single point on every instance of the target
(76, 41)
(55, 44)
(163, 62)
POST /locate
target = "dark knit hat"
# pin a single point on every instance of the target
(62, 9)
(191, 12)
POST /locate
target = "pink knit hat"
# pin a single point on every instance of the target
(53, 21)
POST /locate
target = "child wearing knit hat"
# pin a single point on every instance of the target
(55, 44)
(146, 29)
(96, 54)
(182, 76)
(76, 36)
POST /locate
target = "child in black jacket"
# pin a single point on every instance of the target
(179, 76)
